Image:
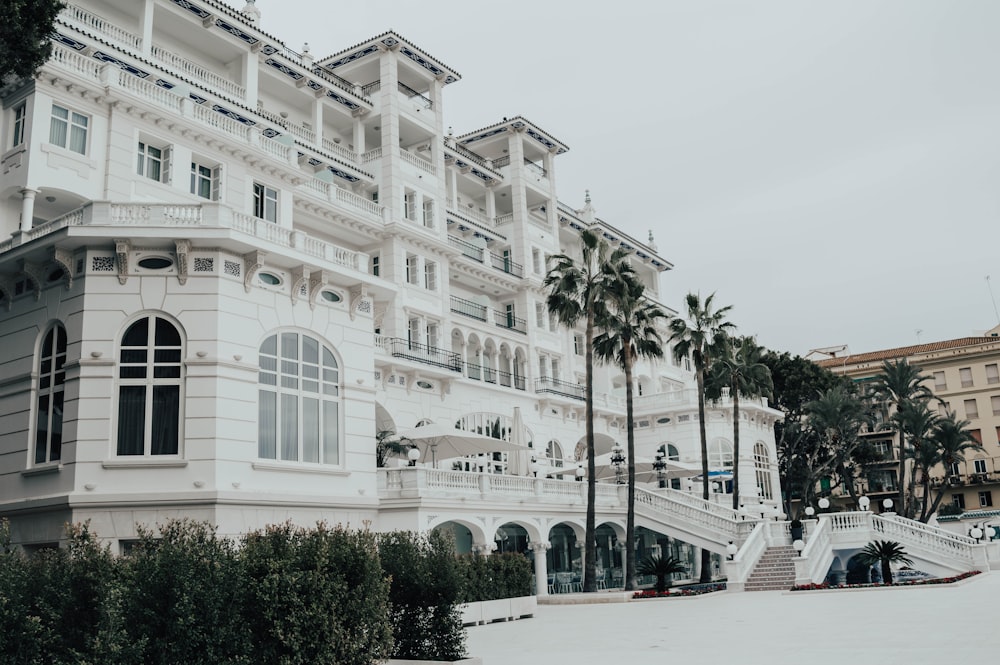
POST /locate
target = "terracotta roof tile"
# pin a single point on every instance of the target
(904, 351)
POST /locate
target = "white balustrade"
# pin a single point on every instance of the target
(341, 151)
(419, 162)
(150, 91)
(198, 72)
(80, 17)
(359, 202)
(504, 219)
(76, 62)
(372, 155)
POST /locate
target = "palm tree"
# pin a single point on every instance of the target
(884, 552)
(629, 332)
(953, 439)
(576, 291)
(916, 421)
(663, 568)
(742, 371)
(897, 383)
(388, 444)
(703, 339)
(836, 417)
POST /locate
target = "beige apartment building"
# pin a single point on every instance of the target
(966, 378)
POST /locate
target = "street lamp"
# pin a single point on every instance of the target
(864, 502)
(975, 532)
(810, 511)
(823, 503)
(799, 545)
(618, 461)
(731, 550)
(413, 454)
(887, 505)
(660, 466)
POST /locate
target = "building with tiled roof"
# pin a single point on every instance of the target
(965, 377)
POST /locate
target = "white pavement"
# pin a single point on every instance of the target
(905, 626)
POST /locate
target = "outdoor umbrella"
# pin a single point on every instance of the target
(517, 462)
(449, 442)
(605, 470)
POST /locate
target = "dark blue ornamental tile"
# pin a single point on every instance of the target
(484, 135)
(340, 99)
(351, 57)
(191, 7)
(271, 132)
(68, 41)
(131, 69)
(422, 61)
(233, 115)
(269, 50)
(236, 32)
(164, 84)
(343, 174)
(283, 68)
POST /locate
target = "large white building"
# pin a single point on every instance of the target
(227, 265)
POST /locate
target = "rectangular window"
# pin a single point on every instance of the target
(68, 129)
(413, 332)
(536, 261)
(995, 404)
(965, 376)
(429, 213)
(540, 315)
(542, 371)
(555, 368)
(432, 335)
(153, 162)
(553, 321)
(375, 265)
(411, 269)
(992, 375)
(430, 275)
(985, 499)
(578, 346)
(20, 122)
(206, 181)
(939, 381)
(977, 435)
(971, 409)
(265, 202)
(979, 466)
(410, 205)
(958, 500)
(954, 469)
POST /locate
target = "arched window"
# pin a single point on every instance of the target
(299, 410)
(720, 455)
(671, 453)
(149, 388)
(49, 404)
(762, 470)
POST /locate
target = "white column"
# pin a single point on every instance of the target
(491, 204)
(317, 120)
(453, 174)
(541, 568)
(27, 207)
(146, 20)
(251, 73)
(359, 136)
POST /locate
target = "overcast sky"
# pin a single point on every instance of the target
(830, 169)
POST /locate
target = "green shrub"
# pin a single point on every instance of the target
(179, 599)
(315, 596)
(425, 589)
(20, 628)
(496, 576)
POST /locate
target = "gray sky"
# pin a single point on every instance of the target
(830, 169)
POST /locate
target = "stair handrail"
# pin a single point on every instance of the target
(726, 523)
(934, 539)
(816, 557)
(738, 568)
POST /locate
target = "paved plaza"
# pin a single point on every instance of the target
(908, 626)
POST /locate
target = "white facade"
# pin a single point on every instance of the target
(230, 264)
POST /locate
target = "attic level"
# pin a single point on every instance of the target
(494, 143)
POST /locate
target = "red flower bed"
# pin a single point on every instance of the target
(670, 593)
(936, 580)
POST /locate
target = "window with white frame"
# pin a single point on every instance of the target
(375, 261)
(762, 470)
(954, 469)
(430, 275)
(541, 314)
(543, 368)
(20, 124)
(992, 375)
(410, 205)
(265, 202)
(413, 332)
(206, 181)
(995, 404)
(429, 213)
(554, 363)
(411, 269)
(149, 388)
(579, 348)
(720, 455)
(153, 162)
(958, 500)
(985, 499)
(536, 261)
(49, 400)
(299, 400)
(432, 335)
(979, 466)
(68, 129)
(971, 409)
(939, 381)
(965, 376)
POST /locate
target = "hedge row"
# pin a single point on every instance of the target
(286, 595)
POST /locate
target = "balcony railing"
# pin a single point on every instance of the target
(509, 321)
(470, 250)
(419, 162)
(496, 376)
(414, 95)
(468, 308)
(557, 387)
(504, 263)
(539, 170)
(78, 16)
(422, 353)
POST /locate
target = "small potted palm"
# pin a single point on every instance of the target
(662, 568)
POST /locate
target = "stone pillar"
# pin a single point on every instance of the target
(541, 567)
(317, 120)
(27, 208)
(251, 74)
(146, 21)
(359, 136)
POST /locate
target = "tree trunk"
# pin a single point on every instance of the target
(630, 583)
(901, 508)
(706, 556)
(736, 446)
(886, 572)
(590, 547)
(926, 482)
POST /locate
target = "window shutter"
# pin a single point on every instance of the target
(217, 183)
(165, 174)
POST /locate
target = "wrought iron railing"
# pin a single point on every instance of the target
(557, 387)
(430, 355)
(509, 321)
(468, 308)
(504, 263)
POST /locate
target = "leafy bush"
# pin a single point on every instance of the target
(314, 596)
(424, 591)
(20, 627)
(493, 577)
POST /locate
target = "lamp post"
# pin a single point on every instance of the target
(976, 533)
(660, 466)
(731, 550)
(413, 455)
(618, 461)
(887, 506)
(810, 512)
(824, 503)
(799, 545)
(864, 502)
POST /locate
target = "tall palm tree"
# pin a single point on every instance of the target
(899, 382)
(576, 290)
(916, 421)
(703, 339)
(884, 552)
(836, 417)
(630, 332)
(953, 438)
(741, 370)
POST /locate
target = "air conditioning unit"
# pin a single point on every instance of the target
(954, 480)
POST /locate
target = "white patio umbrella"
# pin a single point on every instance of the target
(449, 442)
(605, 470)
(517, 462)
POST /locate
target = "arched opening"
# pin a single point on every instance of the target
(462, 536)
(511, 538)
(762, 470)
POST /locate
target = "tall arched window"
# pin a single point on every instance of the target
(720, 455)
(299, 409)
(49, 404)
(149, 388)
(762, 470)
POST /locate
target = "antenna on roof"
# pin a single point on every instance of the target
(918, 331)
(992, 299)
